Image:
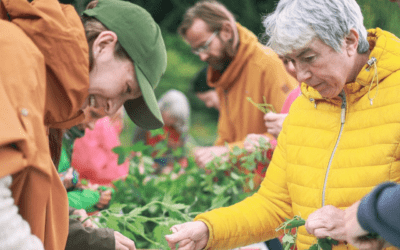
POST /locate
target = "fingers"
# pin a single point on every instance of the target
(83, 218)
(327, 221)
(122, 242)
(370, 244)
(180, 236)
(203, 156)
(88, 223)
(270, 116)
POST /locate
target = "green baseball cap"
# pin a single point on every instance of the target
(141, 38)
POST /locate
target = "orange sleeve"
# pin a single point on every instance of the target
(59, 34)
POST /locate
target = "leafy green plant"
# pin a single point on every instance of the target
(146, 205)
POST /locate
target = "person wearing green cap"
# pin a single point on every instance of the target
(56, 67)
(123, 40)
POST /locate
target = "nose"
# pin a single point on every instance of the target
(113, 105)
(90, 125)
(303, 73)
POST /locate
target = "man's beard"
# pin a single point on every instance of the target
(222, 62)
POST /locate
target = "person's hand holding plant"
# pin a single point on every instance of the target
(327, 221)
(204, 155)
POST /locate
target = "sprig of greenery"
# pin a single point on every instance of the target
(289, 239)
(263, 107)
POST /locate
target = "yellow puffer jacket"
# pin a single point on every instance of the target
(330, 152)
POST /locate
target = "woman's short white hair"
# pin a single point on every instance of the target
(295, 23)
(177, 105)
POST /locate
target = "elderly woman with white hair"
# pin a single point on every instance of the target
(175, 110)
(339, 140)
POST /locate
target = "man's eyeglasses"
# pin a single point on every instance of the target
(204, 48)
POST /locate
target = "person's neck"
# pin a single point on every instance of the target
(360, 61)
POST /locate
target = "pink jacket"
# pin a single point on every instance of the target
(290, 99)
(92, 155)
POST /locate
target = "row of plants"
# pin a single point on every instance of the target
(145, 205)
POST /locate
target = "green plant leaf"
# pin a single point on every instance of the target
(218, 202)
(116, 207)
(251, 184)
(112, 222)
(236, 151)
(159, 232)
(325, 244)
(155, 132)
(234, 176)
(288, 239)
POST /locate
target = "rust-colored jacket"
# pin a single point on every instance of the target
(255, 72)
(43, 83)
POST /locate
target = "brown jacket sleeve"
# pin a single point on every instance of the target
(86, 238)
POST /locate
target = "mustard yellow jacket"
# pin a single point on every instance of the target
(330, 152)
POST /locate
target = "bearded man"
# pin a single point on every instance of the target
(239, 66)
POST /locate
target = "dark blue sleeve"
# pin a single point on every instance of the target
(379, 212)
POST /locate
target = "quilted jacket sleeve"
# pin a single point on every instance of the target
(255, 218)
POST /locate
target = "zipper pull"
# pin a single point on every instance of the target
(343, 115)
(343, 107)
(315, 103)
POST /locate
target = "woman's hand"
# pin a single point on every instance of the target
(273, 122)
(188, 236)
(327, 221)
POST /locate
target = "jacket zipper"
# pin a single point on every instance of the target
(342, 119)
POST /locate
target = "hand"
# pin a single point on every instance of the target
(253, 140)
(206, 154)
(188, 236)
(354, 231)
(273, 122)
(67, 178)
(83, 215)
(105, 197)
(122, 242)
(327, 221)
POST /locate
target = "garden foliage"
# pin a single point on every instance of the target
(145, 205)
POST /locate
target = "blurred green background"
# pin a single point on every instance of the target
(183, 65)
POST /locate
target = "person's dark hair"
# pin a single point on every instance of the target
(211, 12)
(199, 82)
(93, 28)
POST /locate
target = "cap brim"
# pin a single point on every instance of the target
(144, 111)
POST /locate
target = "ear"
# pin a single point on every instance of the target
(351, 42)
(226, 33)
(105, 42)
